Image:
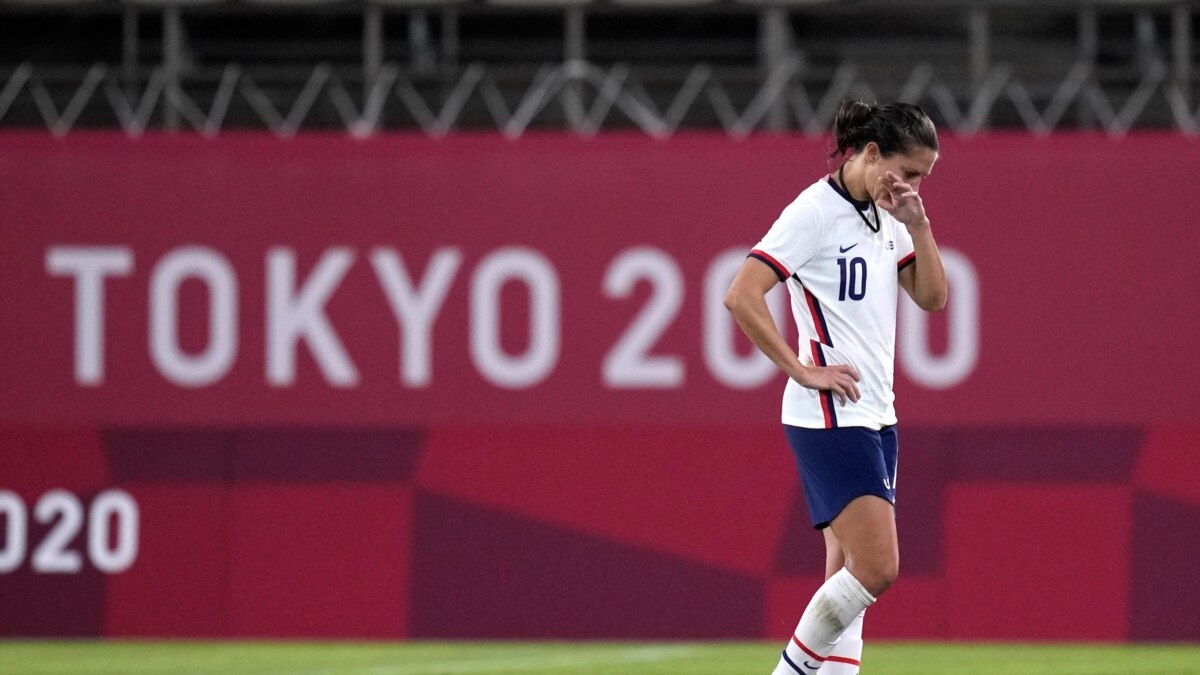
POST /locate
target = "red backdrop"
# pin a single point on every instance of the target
(485, 388)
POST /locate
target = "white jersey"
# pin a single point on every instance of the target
(843, 276)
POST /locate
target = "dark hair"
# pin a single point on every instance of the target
(895, 127)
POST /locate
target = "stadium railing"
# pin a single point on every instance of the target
(973, 70)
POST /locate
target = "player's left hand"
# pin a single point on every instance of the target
(901, 200)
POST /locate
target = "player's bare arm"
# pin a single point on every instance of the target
(746, 300)
(925, 281)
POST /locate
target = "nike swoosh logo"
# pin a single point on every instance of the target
(843, 250)
(812, 667)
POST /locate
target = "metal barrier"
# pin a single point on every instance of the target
(592, 98)
(782, 91)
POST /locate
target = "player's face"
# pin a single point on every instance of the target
(912, 168)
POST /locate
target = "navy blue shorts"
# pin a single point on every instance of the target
(840, 465)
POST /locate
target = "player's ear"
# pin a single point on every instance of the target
(871, 152)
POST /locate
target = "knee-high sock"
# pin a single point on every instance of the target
(847, 653)
(832, 609)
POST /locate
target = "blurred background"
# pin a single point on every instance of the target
(402, 319)
(577, 65)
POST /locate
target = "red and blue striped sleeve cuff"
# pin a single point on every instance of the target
(906, 261)
(780, 270)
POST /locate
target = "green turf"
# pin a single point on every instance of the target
(538, 658)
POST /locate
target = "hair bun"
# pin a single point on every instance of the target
(850, 122)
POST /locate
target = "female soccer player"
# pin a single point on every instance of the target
(844, 247)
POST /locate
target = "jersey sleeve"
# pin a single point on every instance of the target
(792, 241)
(905, 251)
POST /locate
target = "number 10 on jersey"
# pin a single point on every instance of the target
(854, 279)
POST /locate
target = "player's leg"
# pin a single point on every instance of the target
(847, 653)
(844, 473)
(866, 531)
(846, 657)
(866, 528)
(835, 557)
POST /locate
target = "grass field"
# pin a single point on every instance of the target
(433, 658)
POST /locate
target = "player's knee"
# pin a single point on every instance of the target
(888, 572)
(877, 575)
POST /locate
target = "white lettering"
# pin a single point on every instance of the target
(15, 526)
(89, 266)
(113, 509)
(63, 511)
(294, 316)
(416, 309)
(739, 371)
(962, 313)
(218, 276)
(113, 512)
(537, 274)
(629, 364)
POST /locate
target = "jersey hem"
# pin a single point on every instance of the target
(809, 424)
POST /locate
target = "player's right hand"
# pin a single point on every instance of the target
(841, 380)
